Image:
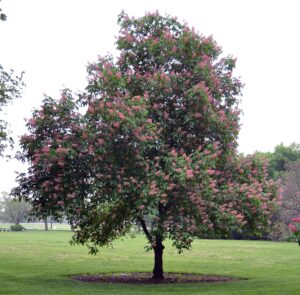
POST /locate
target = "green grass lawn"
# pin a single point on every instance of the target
(41, 262)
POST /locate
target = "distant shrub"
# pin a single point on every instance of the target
(279, 231)
(17, 227)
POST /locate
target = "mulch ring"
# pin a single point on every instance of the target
(145, 278)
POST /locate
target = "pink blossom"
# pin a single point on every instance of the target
(121, 116)
(296, 219)
(91, 109)
(210, 171)
(202, 64)
(32, 122)
(142, 138)
(156, 106)
(45, 149)
(189, 173)
(212, 185)
(137, 98)
(71, 196)
(152, 192)
(61, 150)
(173, 153)
(45, 184)
(100, 141)
(116, 124)
(136, 108)
(118, 75)
(292, 228)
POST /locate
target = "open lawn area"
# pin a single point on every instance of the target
(41, 262)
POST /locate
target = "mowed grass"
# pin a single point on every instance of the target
(41, 263)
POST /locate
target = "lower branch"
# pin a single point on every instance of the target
(144, 227)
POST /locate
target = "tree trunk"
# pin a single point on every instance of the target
(158, 273)
(46, 223)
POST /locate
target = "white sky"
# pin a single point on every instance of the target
(53, 40)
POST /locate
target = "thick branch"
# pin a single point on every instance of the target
(143, 224)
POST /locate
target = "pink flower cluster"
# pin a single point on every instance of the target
(292, 227)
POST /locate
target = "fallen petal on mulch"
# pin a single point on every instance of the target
(146, 278)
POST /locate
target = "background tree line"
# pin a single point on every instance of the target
(284, 163)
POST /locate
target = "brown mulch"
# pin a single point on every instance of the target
(145, 278)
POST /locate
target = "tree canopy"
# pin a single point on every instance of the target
(2, 15)
(152, 137)
(282, 157)
(10, 88)
(12, 210)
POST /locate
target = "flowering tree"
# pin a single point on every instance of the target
(295, 228)
(153, 136)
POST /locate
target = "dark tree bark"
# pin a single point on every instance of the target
(46, 223)
(145, 230)
(158, 273)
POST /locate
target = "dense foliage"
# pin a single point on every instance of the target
(154, 136)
